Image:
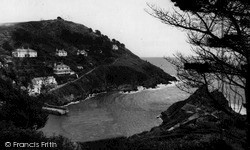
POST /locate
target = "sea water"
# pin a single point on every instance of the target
(114, 114)
(109, 115)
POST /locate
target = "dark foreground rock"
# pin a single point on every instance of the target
(203, 121)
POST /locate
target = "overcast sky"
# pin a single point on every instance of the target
(124, 20)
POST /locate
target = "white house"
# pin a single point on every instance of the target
(82, 52)
(61, 53)
(115, 47)
(62, 69)
(22, 52)
(37, 83)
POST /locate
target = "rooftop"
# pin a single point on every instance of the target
(24, 50)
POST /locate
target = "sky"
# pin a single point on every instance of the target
(123, 20)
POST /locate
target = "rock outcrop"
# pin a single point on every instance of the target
(199, 105)
(203, 121)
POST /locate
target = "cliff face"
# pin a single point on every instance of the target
(203, 121)
(102, 69)
(198, 105)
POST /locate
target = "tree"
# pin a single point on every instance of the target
(122, 45)
(7, 46)
(219, 31)
(19, 108)
(59, 18)
(98, 32)
(90, 30)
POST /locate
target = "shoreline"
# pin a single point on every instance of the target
(139, 89)
(55, 111)
(157, 87)
(78, 101)
(194, 125)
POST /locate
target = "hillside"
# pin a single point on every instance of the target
(103, 68)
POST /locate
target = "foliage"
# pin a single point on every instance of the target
(154, 142)
(98, 32)
(21, 116)
(10, 133)
(219, 31)
(7, 46)
(76, 38)
(221, 40)
(124, 75)
(21, 35)
(90, 30)
(19, 108)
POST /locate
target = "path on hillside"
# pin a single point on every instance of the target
(84, 75)
(62, 85)
(92, 71)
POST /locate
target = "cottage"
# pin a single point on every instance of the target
(115, 47)
(44, 80)
(61, 53)
(37, 83)
(82, 52)
(62, 69)
(22, 52)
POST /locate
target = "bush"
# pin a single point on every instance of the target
(10, 133)
(21, 109)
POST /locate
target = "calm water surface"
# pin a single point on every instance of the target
(115, 114)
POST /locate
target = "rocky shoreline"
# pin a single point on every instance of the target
(61, 110)
(203, 121)
(99, 81)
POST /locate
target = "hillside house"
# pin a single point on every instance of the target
(61, 53)
(62, 69)
(115, 47)
(37, 83)
(82, 52)
(22, 52)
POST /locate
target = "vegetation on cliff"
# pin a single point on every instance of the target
(21, 116)
(124, 74)
(102, 69)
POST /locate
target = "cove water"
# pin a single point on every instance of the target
(109, 115)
